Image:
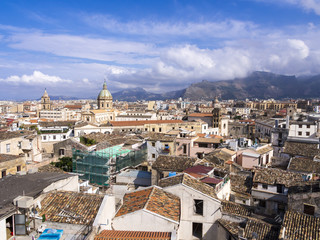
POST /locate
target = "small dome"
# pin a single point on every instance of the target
(104, 93)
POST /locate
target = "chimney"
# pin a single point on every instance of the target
(287, 122)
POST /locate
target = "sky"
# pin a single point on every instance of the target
(70, 47)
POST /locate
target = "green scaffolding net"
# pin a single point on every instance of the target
(98, 166)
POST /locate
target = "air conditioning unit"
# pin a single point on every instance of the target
(23, 201)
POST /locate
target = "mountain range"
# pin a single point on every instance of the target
(261, 85)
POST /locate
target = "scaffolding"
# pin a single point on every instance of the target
(100, 167)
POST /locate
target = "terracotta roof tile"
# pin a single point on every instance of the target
(232, 227)
(297, 225)
(240, 183)
(189, 181)
(153, 199)
(301, 149)
(274, 176)
(173, 163)
(132, 235)
(134, 201)
(235, 209)
(70, 207)
(306, 165)
(263, 230)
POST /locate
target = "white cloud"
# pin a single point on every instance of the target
(37, 78)
(313, 5)
(309, 5)
(84, 47)
(219, 29)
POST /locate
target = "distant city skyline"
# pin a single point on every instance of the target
(69, 47)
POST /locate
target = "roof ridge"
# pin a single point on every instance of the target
(149, 196)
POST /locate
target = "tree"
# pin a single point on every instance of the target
(65, 163)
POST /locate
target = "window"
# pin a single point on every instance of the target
(308, 126)
(184, 149)
(153, 155)
(300, 125)
(203, 145)
(19, 145)
(279, 188)
(267, 159)
(153, 144)
(308, 209)
(262, 203)
(153, 129)
(299, 133)
(191, 127)
(44, 137)
(54, 137)
(160, 129)
(8, 147)
(307, 133)
(197, 230)
(18, 168)
(61, 152)
(64, 136)
(3, 173)
(265, 186)
(198, 206)
(146, 129)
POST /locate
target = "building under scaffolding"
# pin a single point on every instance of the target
(100, 167)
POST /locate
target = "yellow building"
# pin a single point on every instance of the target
(11, 164)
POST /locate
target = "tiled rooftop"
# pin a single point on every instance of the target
(301, 149)
(153, 199)
(232, 227)
(8, 157)
(264, 150)
(189, 181)
(300, 226)
(138, 123)
(240, 183)
(274, 176)
(9, 135)
(70, 207)
(173, 163)
(199, 169)
(160, 137)
(306, 165)
(132, 235)
(235, 209)
(263, 230)
(207, 140)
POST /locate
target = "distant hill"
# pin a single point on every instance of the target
(134, 94)
(260, 85)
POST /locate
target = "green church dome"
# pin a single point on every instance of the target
(104, 93)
